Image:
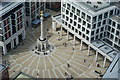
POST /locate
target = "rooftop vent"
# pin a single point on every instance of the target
(106, 48)
(95, 6)
(99, 2)
(88, 2)
(98, 42)
(114, 54)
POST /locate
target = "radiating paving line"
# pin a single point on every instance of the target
(27, 59)
(57, 60)
(73, 70)
(78, 64)
(32, 61)
(65, 70)
(15, 70)
(44, 63)
(55, 73)
(49, 73)
(76, 67)
(13, 67)
(38, 62)
(31, 39)
(61, 57)
(60, 72)
(51, 62)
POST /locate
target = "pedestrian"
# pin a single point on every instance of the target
(84, 60)
(68, 64)
(65, 73)
(37, 73)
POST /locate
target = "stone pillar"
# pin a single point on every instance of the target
(104, 63)
(23, 34)
(17, 40)
(81, 45)
(54, 25)
(74, 42)
(67, 35)
(96, 57)
(61, 31)
(12, 44)
(88, 50)
(4, 49)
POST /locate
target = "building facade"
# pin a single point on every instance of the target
(88, 20)
(32, 10)
(12, 29)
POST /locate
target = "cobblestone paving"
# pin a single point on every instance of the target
(55, 64)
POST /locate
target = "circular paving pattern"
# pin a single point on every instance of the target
(65, 60)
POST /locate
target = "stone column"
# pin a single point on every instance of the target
(4, 49)
(74, 42)
(88, 50)
(54, 25)
(23, 34)
(61, 31)
(12, 43)
(96, 57)
(104, 63)
(81, 45)
(67, 35)
(17, 40)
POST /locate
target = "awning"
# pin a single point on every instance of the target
(46, 14)
(36, 21)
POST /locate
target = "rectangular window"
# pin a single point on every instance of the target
(68, 6)
(78, 12)
(73, 9)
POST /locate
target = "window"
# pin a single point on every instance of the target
(116, 39)
(79, 33)
(83, 15)
(74, 23)
(94, 26)
(111, 12)
(88, 25)
(88, 18)
(67, 18)
(78, 12)
(71, 14)
(117, 33)
(97, 31)
(106, 15)
(102, 29)
(113, 24)
(63, 16)
(104, 22)
(92, 33)
(83, 35)
(110, 21)
(100, 17)
(84, 23)
(79, 20)
(66, 23)
(99, 24)
(79, 26)
(111, 37)
(69, 26)
(71, 20)
(67, 12)
(87, 32)
(72, 28)
(87, 38)
(75, 17)
(83, 29)
(113, 30)
(76, 30)
(118, 26)
(94, 19)
(63, 9)
(109, 28)
(73, 9)
(92, 39)
(68, 6)
(101, 35)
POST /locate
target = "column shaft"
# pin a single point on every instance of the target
(88, 50)
(104, 63)
(96, 57)
(67, 35)
(4, 49)
(81, 45)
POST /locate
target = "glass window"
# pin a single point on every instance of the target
(73, 9)
(78, 12)
(118, 26)
(68, 6)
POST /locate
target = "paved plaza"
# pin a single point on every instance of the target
(64, 61)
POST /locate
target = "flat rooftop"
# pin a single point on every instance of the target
(4, 5)
(116, 18)
(94, 7)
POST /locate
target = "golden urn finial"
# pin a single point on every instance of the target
(41, 13)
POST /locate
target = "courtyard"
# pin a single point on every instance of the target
(64, 61)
